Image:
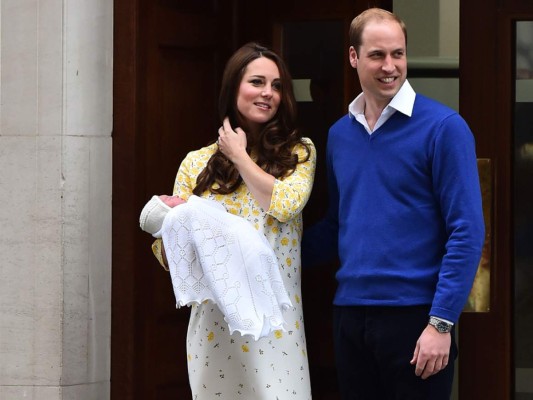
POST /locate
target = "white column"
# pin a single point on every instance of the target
(55, 198)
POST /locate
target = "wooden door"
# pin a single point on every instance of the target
(168, 58)
(487, 57)
(168, 61)
(312, 37)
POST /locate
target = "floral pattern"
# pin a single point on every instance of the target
(230, 367)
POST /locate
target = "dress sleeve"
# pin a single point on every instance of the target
(156, 249)
(290, 194)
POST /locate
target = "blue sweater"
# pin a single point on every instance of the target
(404, 213)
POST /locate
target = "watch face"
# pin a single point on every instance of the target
(440, 326)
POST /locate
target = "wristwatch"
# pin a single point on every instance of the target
(440, 325)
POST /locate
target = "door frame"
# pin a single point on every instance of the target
(486, 91)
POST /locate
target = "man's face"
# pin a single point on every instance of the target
(381, 63)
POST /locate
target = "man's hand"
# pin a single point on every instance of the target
(432, 352)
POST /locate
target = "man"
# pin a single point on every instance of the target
(405, 218)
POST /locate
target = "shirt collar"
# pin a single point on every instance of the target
(403, 102)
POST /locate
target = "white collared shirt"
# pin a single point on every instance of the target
(403, 102)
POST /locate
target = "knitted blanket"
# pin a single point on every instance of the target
(216, 256)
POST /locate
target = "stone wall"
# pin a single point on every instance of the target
(55, 198)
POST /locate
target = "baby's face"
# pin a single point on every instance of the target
(171, 201)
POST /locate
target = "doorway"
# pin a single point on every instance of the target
(168, 60)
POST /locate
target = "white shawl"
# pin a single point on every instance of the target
(214, 255)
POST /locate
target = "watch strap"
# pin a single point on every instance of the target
(440, 325)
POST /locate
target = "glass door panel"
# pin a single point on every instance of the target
(523, 211)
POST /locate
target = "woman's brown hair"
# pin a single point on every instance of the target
(273, 146)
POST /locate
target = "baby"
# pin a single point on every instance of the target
(154, 212)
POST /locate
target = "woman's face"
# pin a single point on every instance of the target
(259, 92)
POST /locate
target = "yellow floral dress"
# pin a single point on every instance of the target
(231, 367)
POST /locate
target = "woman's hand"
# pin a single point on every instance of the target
(232, 142)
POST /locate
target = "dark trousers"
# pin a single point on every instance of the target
(373, 350)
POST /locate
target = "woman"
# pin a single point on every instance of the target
(262, 170)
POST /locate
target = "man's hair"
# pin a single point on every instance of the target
(372, 14)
